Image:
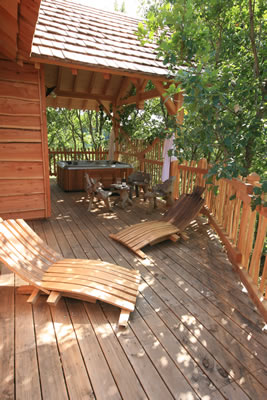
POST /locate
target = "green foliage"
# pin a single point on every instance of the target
(122, 8)
(147, 124)
(77, 129)
(215, 52)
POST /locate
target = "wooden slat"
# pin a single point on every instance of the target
(22, 203)
(20, 187)
(92, 289)
(20, 151)
(19, 136)
(20, 91)
(105, 266)
(97, 276)
(17, 170)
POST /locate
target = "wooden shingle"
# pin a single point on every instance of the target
(93, 38)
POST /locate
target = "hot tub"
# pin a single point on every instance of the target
(70, 174)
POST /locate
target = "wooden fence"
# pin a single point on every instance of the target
(241, 230)
(56, 155)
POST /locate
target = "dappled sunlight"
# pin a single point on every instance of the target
(47, 334)
(60, 201)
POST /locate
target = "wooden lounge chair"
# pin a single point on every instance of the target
(27, 255)
(178, 217)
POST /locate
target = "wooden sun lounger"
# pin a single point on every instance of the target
(28, 256)
(178, 217)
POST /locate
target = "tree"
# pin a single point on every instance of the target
(77, 128)
(120, 9)
(214, 50)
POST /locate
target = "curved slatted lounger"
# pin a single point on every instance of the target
(27, 255)
(179, 216)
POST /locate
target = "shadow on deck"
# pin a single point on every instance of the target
(194, 333)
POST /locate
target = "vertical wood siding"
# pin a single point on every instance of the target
(24, 175)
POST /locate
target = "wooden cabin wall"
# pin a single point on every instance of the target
(24, 174)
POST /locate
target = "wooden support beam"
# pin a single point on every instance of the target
(169, 104)
(104, 108)
(74, 71)
(34, 296)
(124, 317)
(79, 95)
(53, 298)
(143, 96)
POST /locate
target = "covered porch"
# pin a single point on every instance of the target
(195, 333)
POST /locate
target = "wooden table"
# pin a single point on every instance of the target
(123, 191)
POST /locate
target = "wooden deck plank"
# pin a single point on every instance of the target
(76, 376)
(179, 370)
(7, 353)
(103, 383)
(127, 382)
(192, 323)
(139, 359)
(51, 373)
(27, 384)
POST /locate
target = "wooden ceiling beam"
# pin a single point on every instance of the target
(79, 95)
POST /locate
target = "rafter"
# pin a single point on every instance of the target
(124, 86)
(79, 95)
(106, 86)
(91, 82)
(59, 78)
(74, 83)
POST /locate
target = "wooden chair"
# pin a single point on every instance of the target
(164, 190)
(47, 272)
(138, 180)
(93, 188)
(172, 225)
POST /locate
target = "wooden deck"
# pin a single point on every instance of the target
(194, 333)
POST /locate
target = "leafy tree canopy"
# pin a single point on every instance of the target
(77, 128)
(214, 49)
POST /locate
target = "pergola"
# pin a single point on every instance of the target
(88, 58)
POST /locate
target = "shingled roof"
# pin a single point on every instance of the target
(82, 35)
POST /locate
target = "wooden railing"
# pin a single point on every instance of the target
(56, 155)
(143, 158)
(241, 230)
